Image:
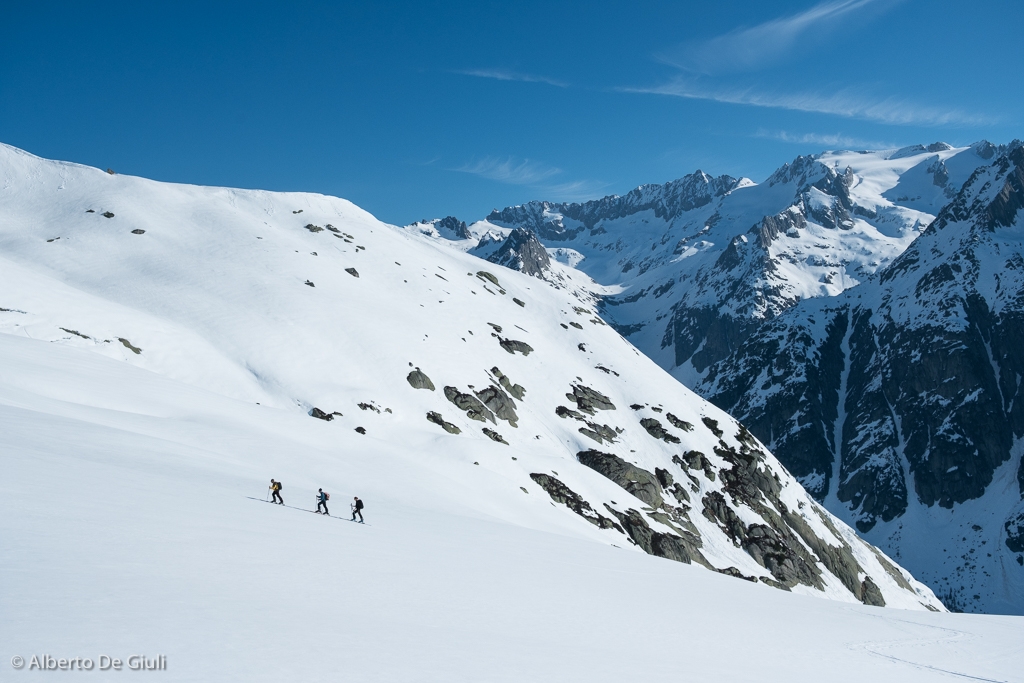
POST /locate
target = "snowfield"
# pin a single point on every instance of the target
(158, 365)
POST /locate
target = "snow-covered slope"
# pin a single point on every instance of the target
(899, 402)
(132, 522)
(166, 349)
(307, 304)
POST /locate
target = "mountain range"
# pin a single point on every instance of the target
(775, 301)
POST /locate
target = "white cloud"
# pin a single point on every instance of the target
(540, 177)
(507, 75)
(510, 170)
(830, 141)
(847, 103)
(575, 191)
(748, 49)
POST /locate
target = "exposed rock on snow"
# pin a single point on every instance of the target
(499, 403)
(128, 345)
(419, 380)
(655, 429)
(560, 493)
(440, 421)
(516, 390)
(474, 408)
(494, 436)
(511, 345)
(589, 400)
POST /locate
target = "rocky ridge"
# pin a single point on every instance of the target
(902, 396)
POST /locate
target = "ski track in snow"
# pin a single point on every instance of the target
(876, 647)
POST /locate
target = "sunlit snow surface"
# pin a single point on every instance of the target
(133, 518)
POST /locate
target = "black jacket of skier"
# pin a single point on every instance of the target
(357, 509)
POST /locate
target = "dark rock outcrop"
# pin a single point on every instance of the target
(637, 481)
(677, 423)
(871, 594)
(128, 345)
(321, 415)
(454, 226)
(511, 345)
(599, 432)
(562, 411)
(655, 429)
(560, 493)
(418, 380)
(499, 403)
(522, 251)
(589, 400)
(517, 391)
(681, 548)
(494, 436)
(439, 421)
(1014, 528)
(475, 409)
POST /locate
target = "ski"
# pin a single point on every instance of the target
(292, 507)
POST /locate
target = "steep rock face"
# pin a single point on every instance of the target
(905, 394)
(522, 251)
(665, 201)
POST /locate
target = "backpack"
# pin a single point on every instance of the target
(359, 505)
(279, 486)
(327, 496)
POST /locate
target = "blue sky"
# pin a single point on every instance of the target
(416, 110)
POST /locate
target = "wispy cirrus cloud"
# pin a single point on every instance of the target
(576, 191)
(704, 66)
(849, 103)
(510, 170)
(539, 176)
(829, 140)
(509, 75)
(752, 48)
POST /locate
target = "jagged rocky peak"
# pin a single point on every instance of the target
(822, 191)
(985, 149)
(670, 199)
(798, 170)
(991, 197)
(448, 227)
(522, 251)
